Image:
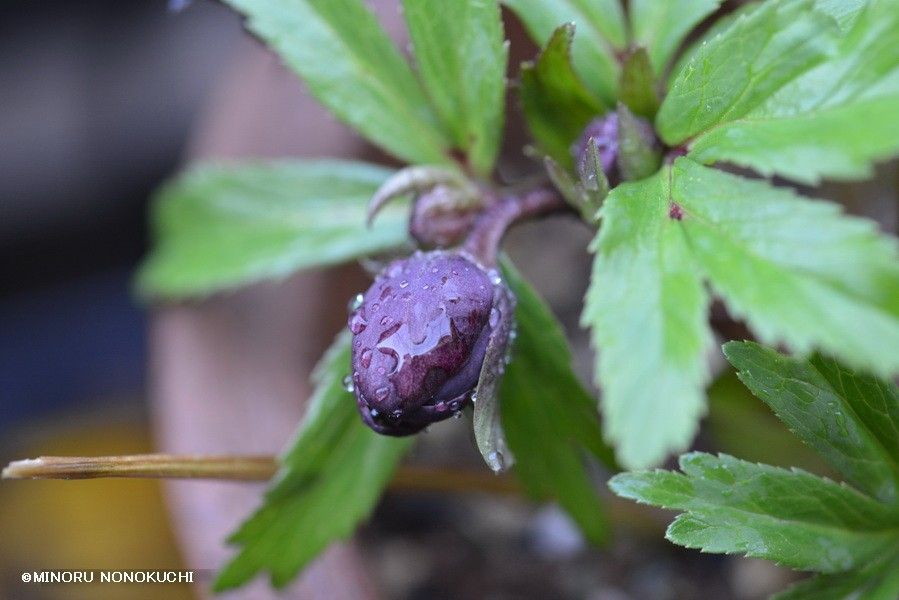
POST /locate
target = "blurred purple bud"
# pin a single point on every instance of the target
(442, 216)
(604, 132)
(177, 6)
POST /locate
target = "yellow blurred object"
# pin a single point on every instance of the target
(106, 524)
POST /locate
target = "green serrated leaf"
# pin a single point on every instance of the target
(741, 425)
(799, 271)
(844, 12)
(556, 105)
(646, 307)
(600, 30)
(461, 56)
(221, 226)
(352, 67)
(662, 26)
(637, 85)
(638, 155)
(330, 480)
(720, 25)
(790, 517)
(852, 420)
(739, 69)
(878, 580)
(834, 121)
(550, 420)
(833, 286)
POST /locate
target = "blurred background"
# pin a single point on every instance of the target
(97, 99)
(99, 102)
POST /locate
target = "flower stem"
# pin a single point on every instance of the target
(483, 241)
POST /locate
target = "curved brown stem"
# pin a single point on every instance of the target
(484, 239)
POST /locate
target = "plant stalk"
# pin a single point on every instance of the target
(483, 241)
(237, 468)
(168, 466)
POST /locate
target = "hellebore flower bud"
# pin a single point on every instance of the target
(604, 132)
(442, 216)
(444, 208)
(420, 336)
(627, 146)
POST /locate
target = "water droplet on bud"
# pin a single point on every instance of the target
(357, 323)
(354, 303)
(348, 383)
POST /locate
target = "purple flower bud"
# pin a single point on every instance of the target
(442, 216)
(604, 131)
(420, 336)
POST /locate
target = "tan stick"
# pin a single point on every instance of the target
(239, 468)
(261, 468)
(236, 468)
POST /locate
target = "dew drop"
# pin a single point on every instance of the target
(404, 283)
(385, 320)
(457, 415)
(493, 320)
(496, 461)
(425, 287)
(495, 279)
(375, 307)
(388, 332)
(348, 383)
(385, 293)
(382, 393)
(355, 302)
(365, 359)
(474, 397)
(454, 405)
(440, 407)
(374, 412)
(357, 323)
